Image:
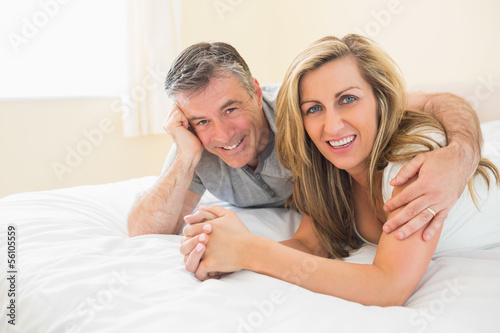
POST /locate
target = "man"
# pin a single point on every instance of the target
(223, 127)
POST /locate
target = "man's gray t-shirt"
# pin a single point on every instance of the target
(269, 185)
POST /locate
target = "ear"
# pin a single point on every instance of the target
(257, 92)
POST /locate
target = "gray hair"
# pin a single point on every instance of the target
(198, 64)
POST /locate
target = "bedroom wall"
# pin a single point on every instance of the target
(432, 41)
(61, 143)
(439, 45)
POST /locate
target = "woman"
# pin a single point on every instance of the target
(344, 134)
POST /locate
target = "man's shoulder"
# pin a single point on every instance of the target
(270, 92)
(269, 95)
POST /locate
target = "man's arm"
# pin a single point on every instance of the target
(442, 173)
(458, 118)
(162, 208)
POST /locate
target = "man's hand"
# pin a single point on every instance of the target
(442, 173)
(177, 125)
(442, 177)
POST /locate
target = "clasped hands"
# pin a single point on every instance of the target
(215, 242)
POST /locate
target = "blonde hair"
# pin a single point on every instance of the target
(321, 190)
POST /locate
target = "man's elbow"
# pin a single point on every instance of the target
(134, 224)
(132, 228)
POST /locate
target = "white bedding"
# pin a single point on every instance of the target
(77, 271)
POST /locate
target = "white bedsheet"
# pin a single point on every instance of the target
(79, 272)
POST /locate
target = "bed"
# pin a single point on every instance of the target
(76, 270)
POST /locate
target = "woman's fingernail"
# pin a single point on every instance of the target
(428, 236)
(202, 237)
(401, 235)
(199, 247)
(207, 227)
(387, 229)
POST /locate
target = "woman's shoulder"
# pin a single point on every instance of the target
(432, 135)
(428, 134)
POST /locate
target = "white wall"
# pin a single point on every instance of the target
(431, 40)
(60, 143)
(451, 45)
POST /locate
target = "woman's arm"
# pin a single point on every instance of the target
(305, 239)
(390, 280)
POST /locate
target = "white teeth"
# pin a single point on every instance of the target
(233, 146)
(341, 143)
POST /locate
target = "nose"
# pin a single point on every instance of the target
(334, 122)
(223, 131)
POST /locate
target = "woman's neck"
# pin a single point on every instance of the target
(360, 178)
(368, 219)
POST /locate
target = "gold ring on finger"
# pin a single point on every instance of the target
(431, 211)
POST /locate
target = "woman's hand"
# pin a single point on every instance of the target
(224, 245)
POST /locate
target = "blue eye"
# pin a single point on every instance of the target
(314, 109)
(230, 110)
(201, 122)
(348, 99)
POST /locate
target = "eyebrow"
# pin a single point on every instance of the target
(228, 103)
(193, 119)
(222, 108)
(336, 95)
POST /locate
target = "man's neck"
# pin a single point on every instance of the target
(263, 143)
